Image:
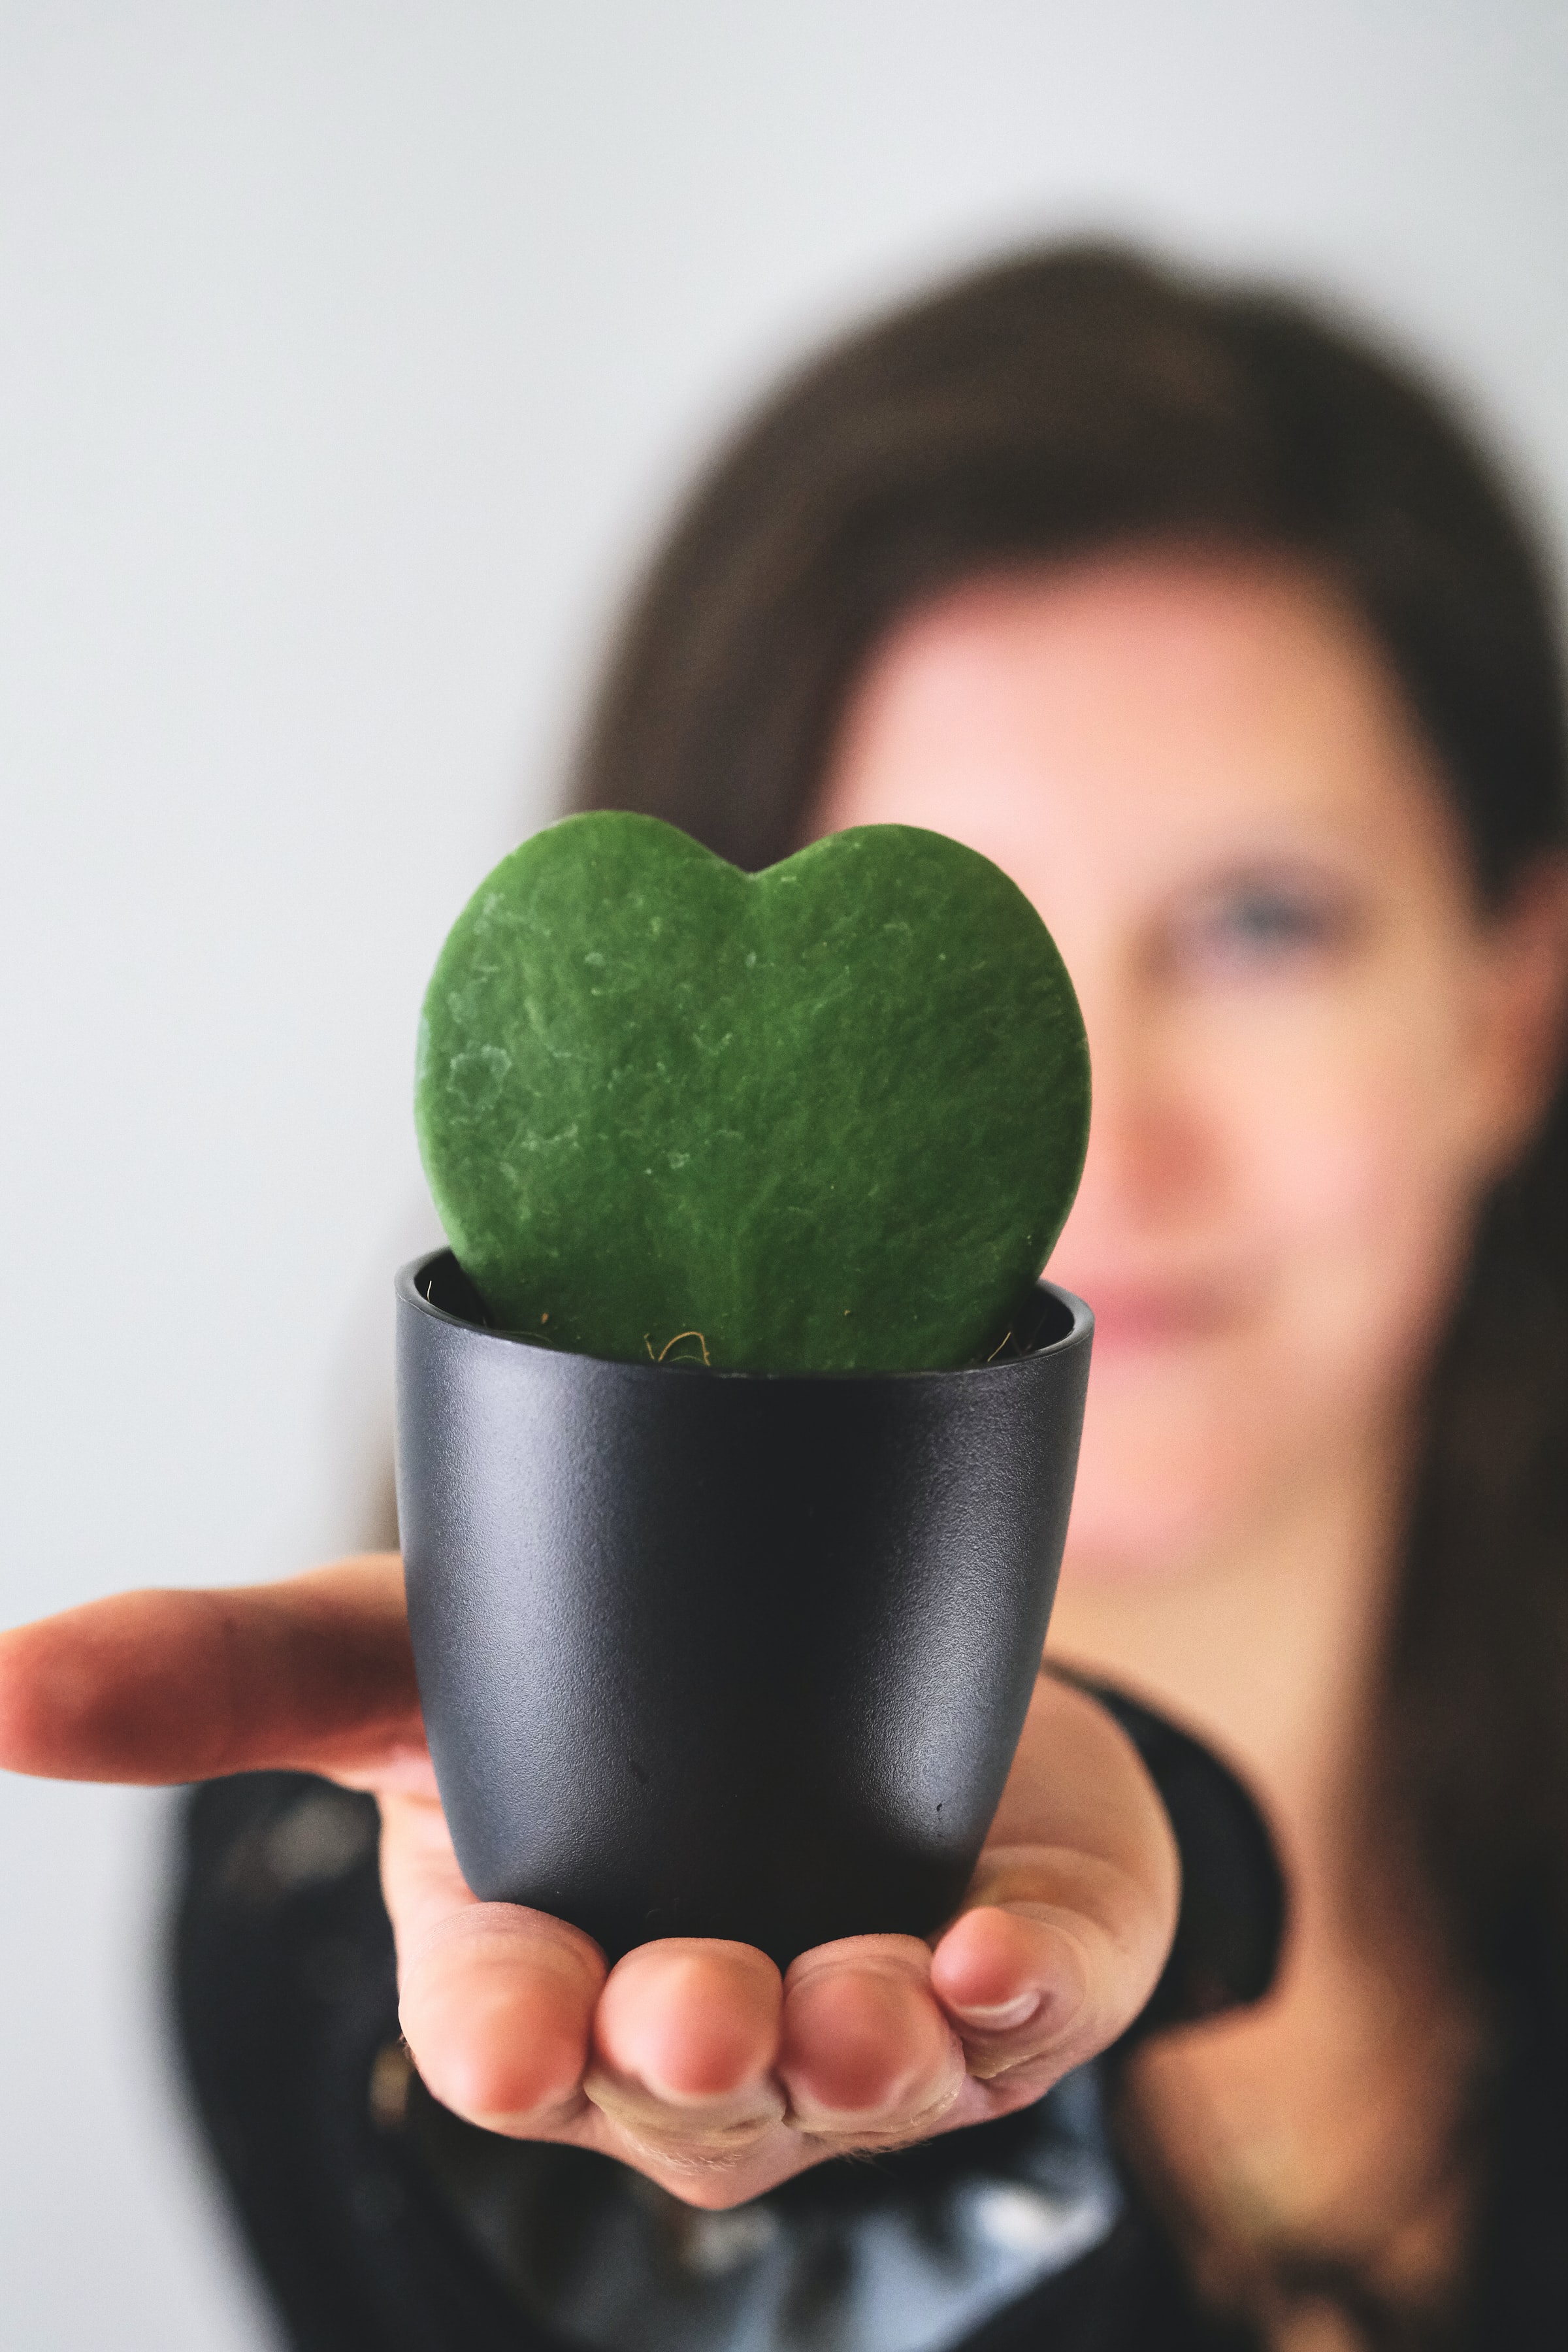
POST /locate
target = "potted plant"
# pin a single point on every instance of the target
(737, 1432)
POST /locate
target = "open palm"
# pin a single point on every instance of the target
(694, 2061)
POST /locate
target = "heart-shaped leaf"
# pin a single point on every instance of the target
(827, 1118)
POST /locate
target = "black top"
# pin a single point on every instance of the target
(382, 2224)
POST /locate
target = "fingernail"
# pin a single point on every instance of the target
(664, 2124)
(866, 2123)
(645, 2106)
(999, 2017)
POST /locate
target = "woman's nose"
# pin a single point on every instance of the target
(1151, 1162)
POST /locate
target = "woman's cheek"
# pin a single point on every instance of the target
(1343, 1220)
(1169, 1470)
(1363, 1214)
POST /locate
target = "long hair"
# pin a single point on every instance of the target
(1080, 398)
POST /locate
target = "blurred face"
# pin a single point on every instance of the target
(1312, 1051)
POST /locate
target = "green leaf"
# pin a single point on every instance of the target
(828, 1117)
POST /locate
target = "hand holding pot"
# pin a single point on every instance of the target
(693, 2061)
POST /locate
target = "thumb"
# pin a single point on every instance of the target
(315, 1672)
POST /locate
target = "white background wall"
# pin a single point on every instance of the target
(349, 348)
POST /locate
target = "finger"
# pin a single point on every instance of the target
(497, 2006)
(315, 1672)
(685, 2044)
(867, 2055)
(1067, 1925)
(1027, 1991)
(496, 2003)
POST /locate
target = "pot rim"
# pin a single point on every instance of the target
(410, 1291)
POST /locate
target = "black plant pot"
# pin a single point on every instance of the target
(725, 1654)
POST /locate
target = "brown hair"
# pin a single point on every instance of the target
(1076, 398)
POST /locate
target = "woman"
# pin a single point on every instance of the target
(1217, 635)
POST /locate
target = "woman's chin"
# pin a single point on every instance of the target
(1161, 1497)
(1140, 1541)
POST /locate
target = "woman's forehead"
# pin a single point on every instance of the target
(1161, 703)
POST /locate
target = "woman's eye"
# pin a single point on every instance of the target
(1258, 925)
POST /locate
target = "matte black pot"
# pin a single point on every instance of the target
(725, 1654)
